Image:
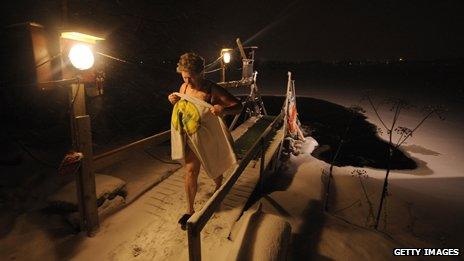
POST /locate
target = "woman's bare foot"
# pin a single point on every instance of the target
(183, 221)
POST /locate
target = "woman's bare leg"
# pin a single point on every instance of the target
(218, 182)
(192, 167)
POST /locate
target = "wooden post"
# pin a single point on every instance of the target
(77, 106)
(234, 121)
(81, 136)
(86, 177)
(237, 116)
(285, 110)
(194, 242)
(77, 103)
(240, 48)
(273, 163)
(223, 71)
(80, 200)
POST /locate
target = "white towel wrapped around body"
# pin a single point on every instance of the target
(206, 134)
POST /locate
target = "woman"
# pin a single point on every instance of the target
(191, 66)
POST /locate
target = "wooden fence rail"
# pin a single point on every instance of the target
(110, 157)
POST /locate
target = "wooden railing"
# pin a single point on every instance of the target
(198, 220)
(110, 157)
(247, 82)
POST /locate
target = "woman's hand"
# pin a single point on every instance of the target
(217, 110)
(173, 98)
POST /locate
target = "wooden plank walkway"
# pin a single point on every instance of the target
(234, 203)
(241, 191)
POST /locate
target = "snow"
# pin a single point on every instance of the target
(146, 229)
(262, 237)
(415, 217)
(105, 186)
(424, 209)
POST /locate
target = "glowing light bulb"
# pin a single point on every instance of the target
(81, 57)
(226, 56)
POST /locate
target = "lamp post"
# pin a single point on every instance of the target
(226, 57)
(78, 58)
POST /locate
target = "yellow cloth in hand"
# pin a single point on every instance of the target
(186, 116)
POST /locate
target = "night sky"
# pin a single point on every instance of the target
(284, 30)
(333, 30)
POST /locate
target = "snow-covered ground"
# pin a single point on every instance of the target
(424, 208)
(317, 235)
(414, 218)
(146, 229)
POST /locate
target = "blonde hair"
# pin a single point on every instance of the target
(191, 62)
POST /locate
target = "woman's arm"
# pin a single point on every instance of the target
(174, 98)
(226, 103)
